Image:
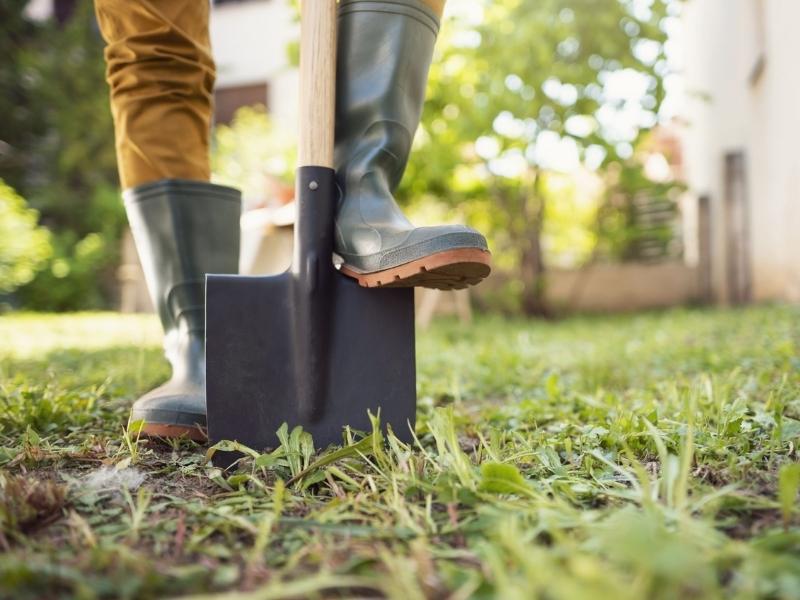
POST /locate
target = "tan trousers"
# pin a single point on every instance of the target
(161, 79)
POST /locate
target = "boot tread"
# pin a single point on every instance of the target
(450, 270)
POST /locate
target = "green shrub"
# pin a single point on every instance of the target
(80, 274)
(24, 246)
(58, 152)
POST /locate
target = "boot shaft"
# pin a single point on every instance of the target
(183, 230)
(383, 58)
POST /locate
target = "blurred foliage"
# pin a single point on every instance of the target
(24, 246)
(514, 85)
(57, 149)
(22, 123)
(249, 149)
(70, 280)
(569, 233)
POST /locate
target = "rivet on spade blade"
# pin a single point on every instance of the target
(313, 185)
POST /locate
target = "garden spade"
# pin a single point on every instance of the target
(310, 346)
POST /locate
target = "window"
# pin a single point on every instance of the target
(228, 100)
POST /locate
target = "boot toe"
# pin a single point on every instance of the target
(442, 257)
(172, 411)
(425, 241)
(401, 248)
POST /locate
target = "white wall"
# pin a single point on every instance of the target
(624, 287)
(727, 110)
(249, 42)
(775, 158)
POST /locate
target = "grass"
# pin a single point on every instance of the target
(648, 456)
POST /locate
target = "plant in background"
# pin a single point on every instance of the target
(57, 149)
(74, 277)
(23, 122)
(24, 245)
(523, 88)
(250, 151)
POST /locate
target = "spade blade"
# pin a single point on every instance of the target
(308, 347)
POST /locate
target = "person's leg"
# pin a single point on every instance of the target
(161, 76)
(384, 53)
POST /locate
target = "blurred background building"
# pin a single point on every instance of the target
(742, 93)
(250, 40)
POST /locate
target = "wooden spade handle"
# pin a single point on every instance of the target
(317, 83)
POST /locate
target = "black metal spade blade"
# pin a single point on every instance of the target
(308, 347)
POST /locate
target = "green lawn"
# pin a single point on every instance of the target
(648, 456)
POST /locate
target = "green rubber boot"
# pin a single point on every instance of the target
(183, 230)
(384, 53)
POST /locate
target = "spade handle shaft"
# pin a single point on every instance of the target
(317, 83)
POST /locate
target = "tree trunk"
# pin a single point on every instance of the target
(532, 270)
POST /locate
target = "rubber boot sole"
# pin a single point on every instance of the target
(160, 430)
(449, 270)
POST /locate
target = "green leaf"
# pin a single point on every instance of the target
(229, 446)
(216, 476)
(283, 435)
(31, 437)
(313, 478)
(502, 478)
(269, 460)
(307, 448)
(788, 485)
(552, 386)
(236, 480)
(790, 429)
(363, 446)
(135, 427)
(733, 427)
